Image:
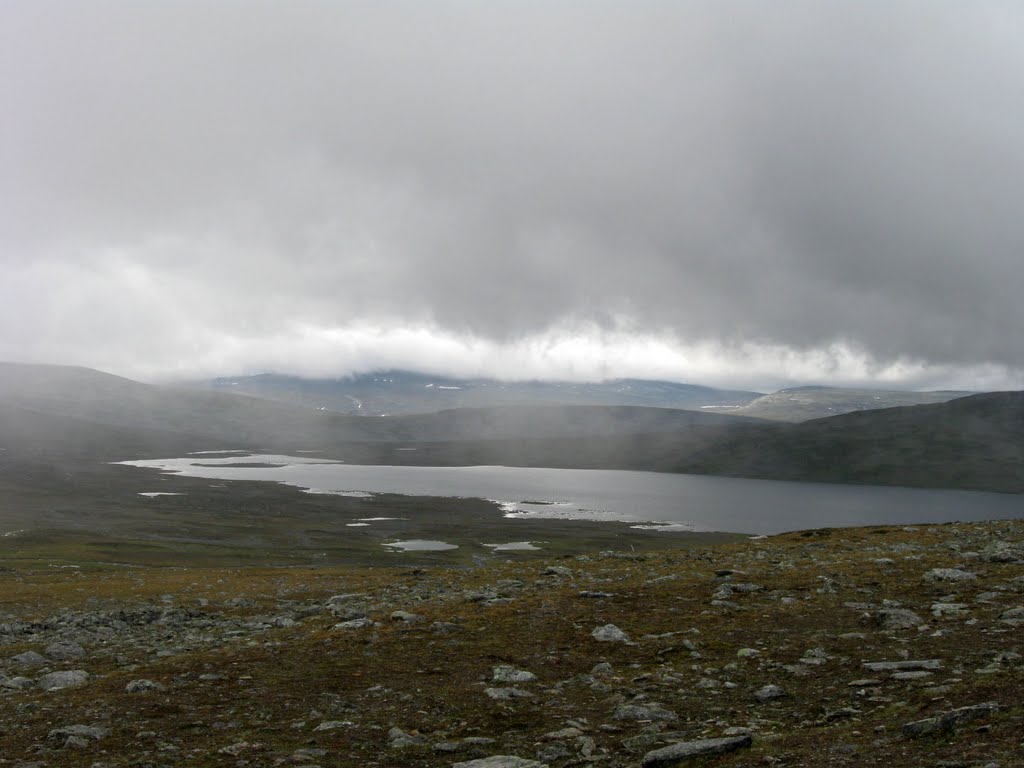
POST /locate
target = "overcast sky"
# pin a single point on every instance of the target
(742, 193)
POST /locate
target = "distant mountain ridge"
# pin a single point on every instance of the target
(975, 442)
(395, 393)
(207, 419)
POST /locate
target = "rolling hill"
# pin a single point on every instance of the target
(975, 442)
(806, 403)
(396, 393)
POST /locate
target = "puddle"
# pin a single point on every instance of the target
(357, 525)
(151, 494)
(421, 545)
(513, 546)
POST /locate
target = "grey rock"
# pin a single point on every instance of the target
(508, 674)
(914, 675)
(1003, 552)
(949, 574)
(143, 686)
(354, 624)
(500, 761)
(18, 683)
(462, 745)
(897, 618)
(65, 651)
(902, 666)
(507, 694)
(93, 732)
(673, 755)
(29, 659)
(444, 627)
(652, 711)
(557, 570)
(942, 610)
(399, 739)
(333, 725)
(609, 633)
(948, 721)
(769, 693)
(407, 618)
(57, 680)
(1013, 617)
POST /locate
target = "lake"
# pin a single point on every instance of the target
(672, 501)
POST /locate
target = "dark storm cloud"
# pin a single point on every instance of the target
(210, 180)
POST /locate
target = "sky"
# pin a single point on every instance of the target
(729, 193)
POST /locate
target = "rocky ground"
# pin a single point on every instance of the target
(861, 647)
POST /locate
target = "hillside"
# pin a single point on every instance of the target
(976, 442)
(169, 418)
(973, 442)
(806, 403)
(396, 393)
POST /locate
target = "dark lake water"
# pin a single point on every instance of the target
(683, 501)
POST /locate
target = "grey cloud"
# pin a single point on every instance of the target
(793, 174)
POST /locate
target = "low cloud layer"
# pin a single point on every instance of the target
(743, 193)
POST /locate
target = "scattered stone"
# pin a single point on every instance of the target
(557, 570)
(675, 754)
(949, 574)
(399, 739)
(652, 711)
(942, 610)
(333, 725)
(747, 653)
(500, 761)
(609, 633)
(29, 659)
(57, 680)
(948, 721)
(769, 693)
(914, 675)
(64, 651)
(1014, 617)
(507, 694)
(354, 624)
(143, 686)
(91, 732)
(18, 683)
(897, 618)
(508, 674)
(902, 666)
(406, 617)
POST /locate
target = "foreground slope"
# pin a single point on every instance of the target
(863, 647)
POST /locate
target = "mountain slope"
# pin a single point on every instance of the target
(975, 443)
(805, 403)
(972, 442)
(178, 417)
(403, 392)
